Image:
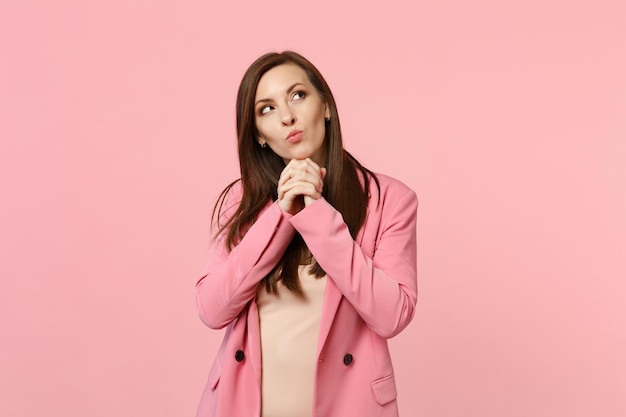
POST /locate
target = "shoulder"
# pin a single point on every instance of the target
(229, 199)
(390, 190)
(232, 197)
(234, 190)
(391, 184)
(392, 206)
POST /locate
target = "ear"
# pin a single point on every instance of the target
(326, 112)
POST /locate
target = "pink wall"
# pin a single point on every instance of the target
(508, 119)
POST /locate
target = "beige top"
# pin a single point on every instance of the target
(289, 331)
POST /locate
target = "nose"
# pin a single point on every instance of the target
(287, 116)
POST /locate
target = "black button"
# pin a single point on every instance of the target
(347, 360)
(239, 356)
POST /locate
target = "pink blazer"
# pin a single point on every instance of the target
(370, 296)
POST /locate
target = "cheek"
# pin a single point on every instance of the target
(261, 129)
(321, 122)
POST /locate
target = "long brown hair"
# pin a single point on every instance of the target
(261, 168)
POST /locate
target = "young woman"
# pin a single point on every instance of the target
(314, 263)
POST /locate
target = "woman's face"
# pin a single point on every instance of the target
(289, 114)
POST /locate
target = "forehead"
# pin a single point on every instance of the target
(279, 79)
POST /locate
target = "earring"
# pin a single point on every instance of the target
(264, 145)
(327, 119)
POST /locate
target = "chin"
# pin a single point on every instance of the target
(298, 155)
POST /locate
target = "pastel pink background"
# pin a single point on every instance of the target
(508, 118)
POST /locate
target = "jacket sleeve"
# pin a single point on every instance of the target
(229, 280)
(383, 289)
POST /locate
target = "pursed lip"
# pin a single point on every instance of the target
(292, 134)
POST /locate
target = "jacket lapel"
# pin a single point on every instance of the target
(332, 298)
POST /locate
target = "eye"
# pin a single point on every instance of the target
(299, 95)
(265, 109)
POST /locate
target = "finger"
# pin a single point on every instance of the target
(294, 189)
(313, 164)
(291, 169)
(304, 165)
(301, 171)
(306, 177)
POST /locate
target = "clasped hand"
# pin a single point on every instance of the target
(300, 184)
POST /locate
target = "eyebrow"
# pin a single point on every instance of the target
(289, 90)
